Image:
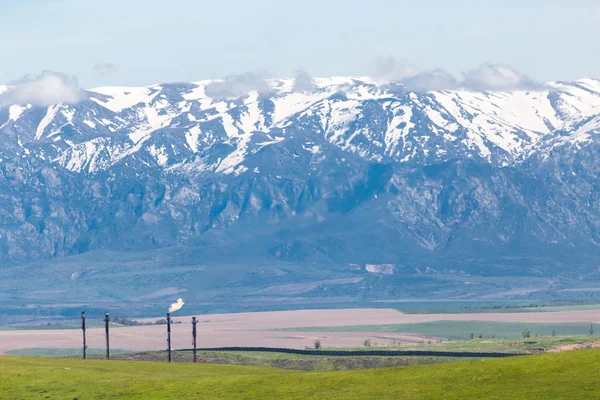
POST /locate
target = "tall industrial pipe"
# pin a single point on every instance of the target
(194, 322)
(106, 321)
(83, 330)
(169, 335)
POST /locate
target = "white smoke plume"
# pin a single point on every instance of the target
(176, 306)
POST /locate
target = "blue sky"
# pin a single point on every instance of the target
(137, 42)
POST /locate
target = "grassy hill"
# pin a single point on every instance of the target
(568, 375)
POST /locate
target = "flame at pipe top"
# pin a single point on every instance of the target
(176, 306)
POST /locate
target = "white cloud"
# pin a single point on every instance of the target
(438, 79)
(496, 77)
(488, 76)
(391, 69)
(238, 85)
(105, 70)
(43, 90)
(303, 81)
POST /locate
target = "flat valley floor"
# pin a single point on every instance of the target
(264, 329)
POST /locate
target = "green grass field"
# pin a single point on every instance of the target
(58, 352)
(567, 375)
(55, 326)
(258, 359)
(461, 330)
(504, 309)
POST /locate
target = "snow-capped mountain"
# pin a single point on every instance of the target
(342, 173)
(176, 126)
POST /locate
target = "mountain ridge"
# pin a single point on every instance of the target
(452, 193)
(374, 121)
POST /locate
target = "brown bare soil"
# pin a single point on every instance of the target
(571, 347)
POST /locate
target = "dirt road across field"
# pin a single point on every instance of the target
(252, 329)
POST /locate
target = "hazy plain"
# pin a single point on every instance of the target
(260, 329)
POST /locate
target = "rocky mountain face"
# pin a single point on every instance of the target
(343, 174)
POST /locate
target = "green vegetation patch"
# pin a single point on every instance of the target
(48, 326)
(290, 361)
(50, 352)
(534, 345)
(501, 309)
(116, 322)
(567, 375)
(462, 330)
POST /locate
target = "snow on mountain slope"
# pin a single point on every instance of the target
(576, 133)
(501, 183)
(119, 98)
(173, 125)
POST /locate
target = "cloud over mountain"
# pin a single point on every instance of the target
(392, 69)
(302, 81)
(43, 90)
(496, 77)
(438, 79)
(487, 76)
(237, 85)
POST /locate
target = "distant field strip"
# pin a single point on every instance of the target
(61, 352)
(497, 310)
(90, 325)
(461, 330)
